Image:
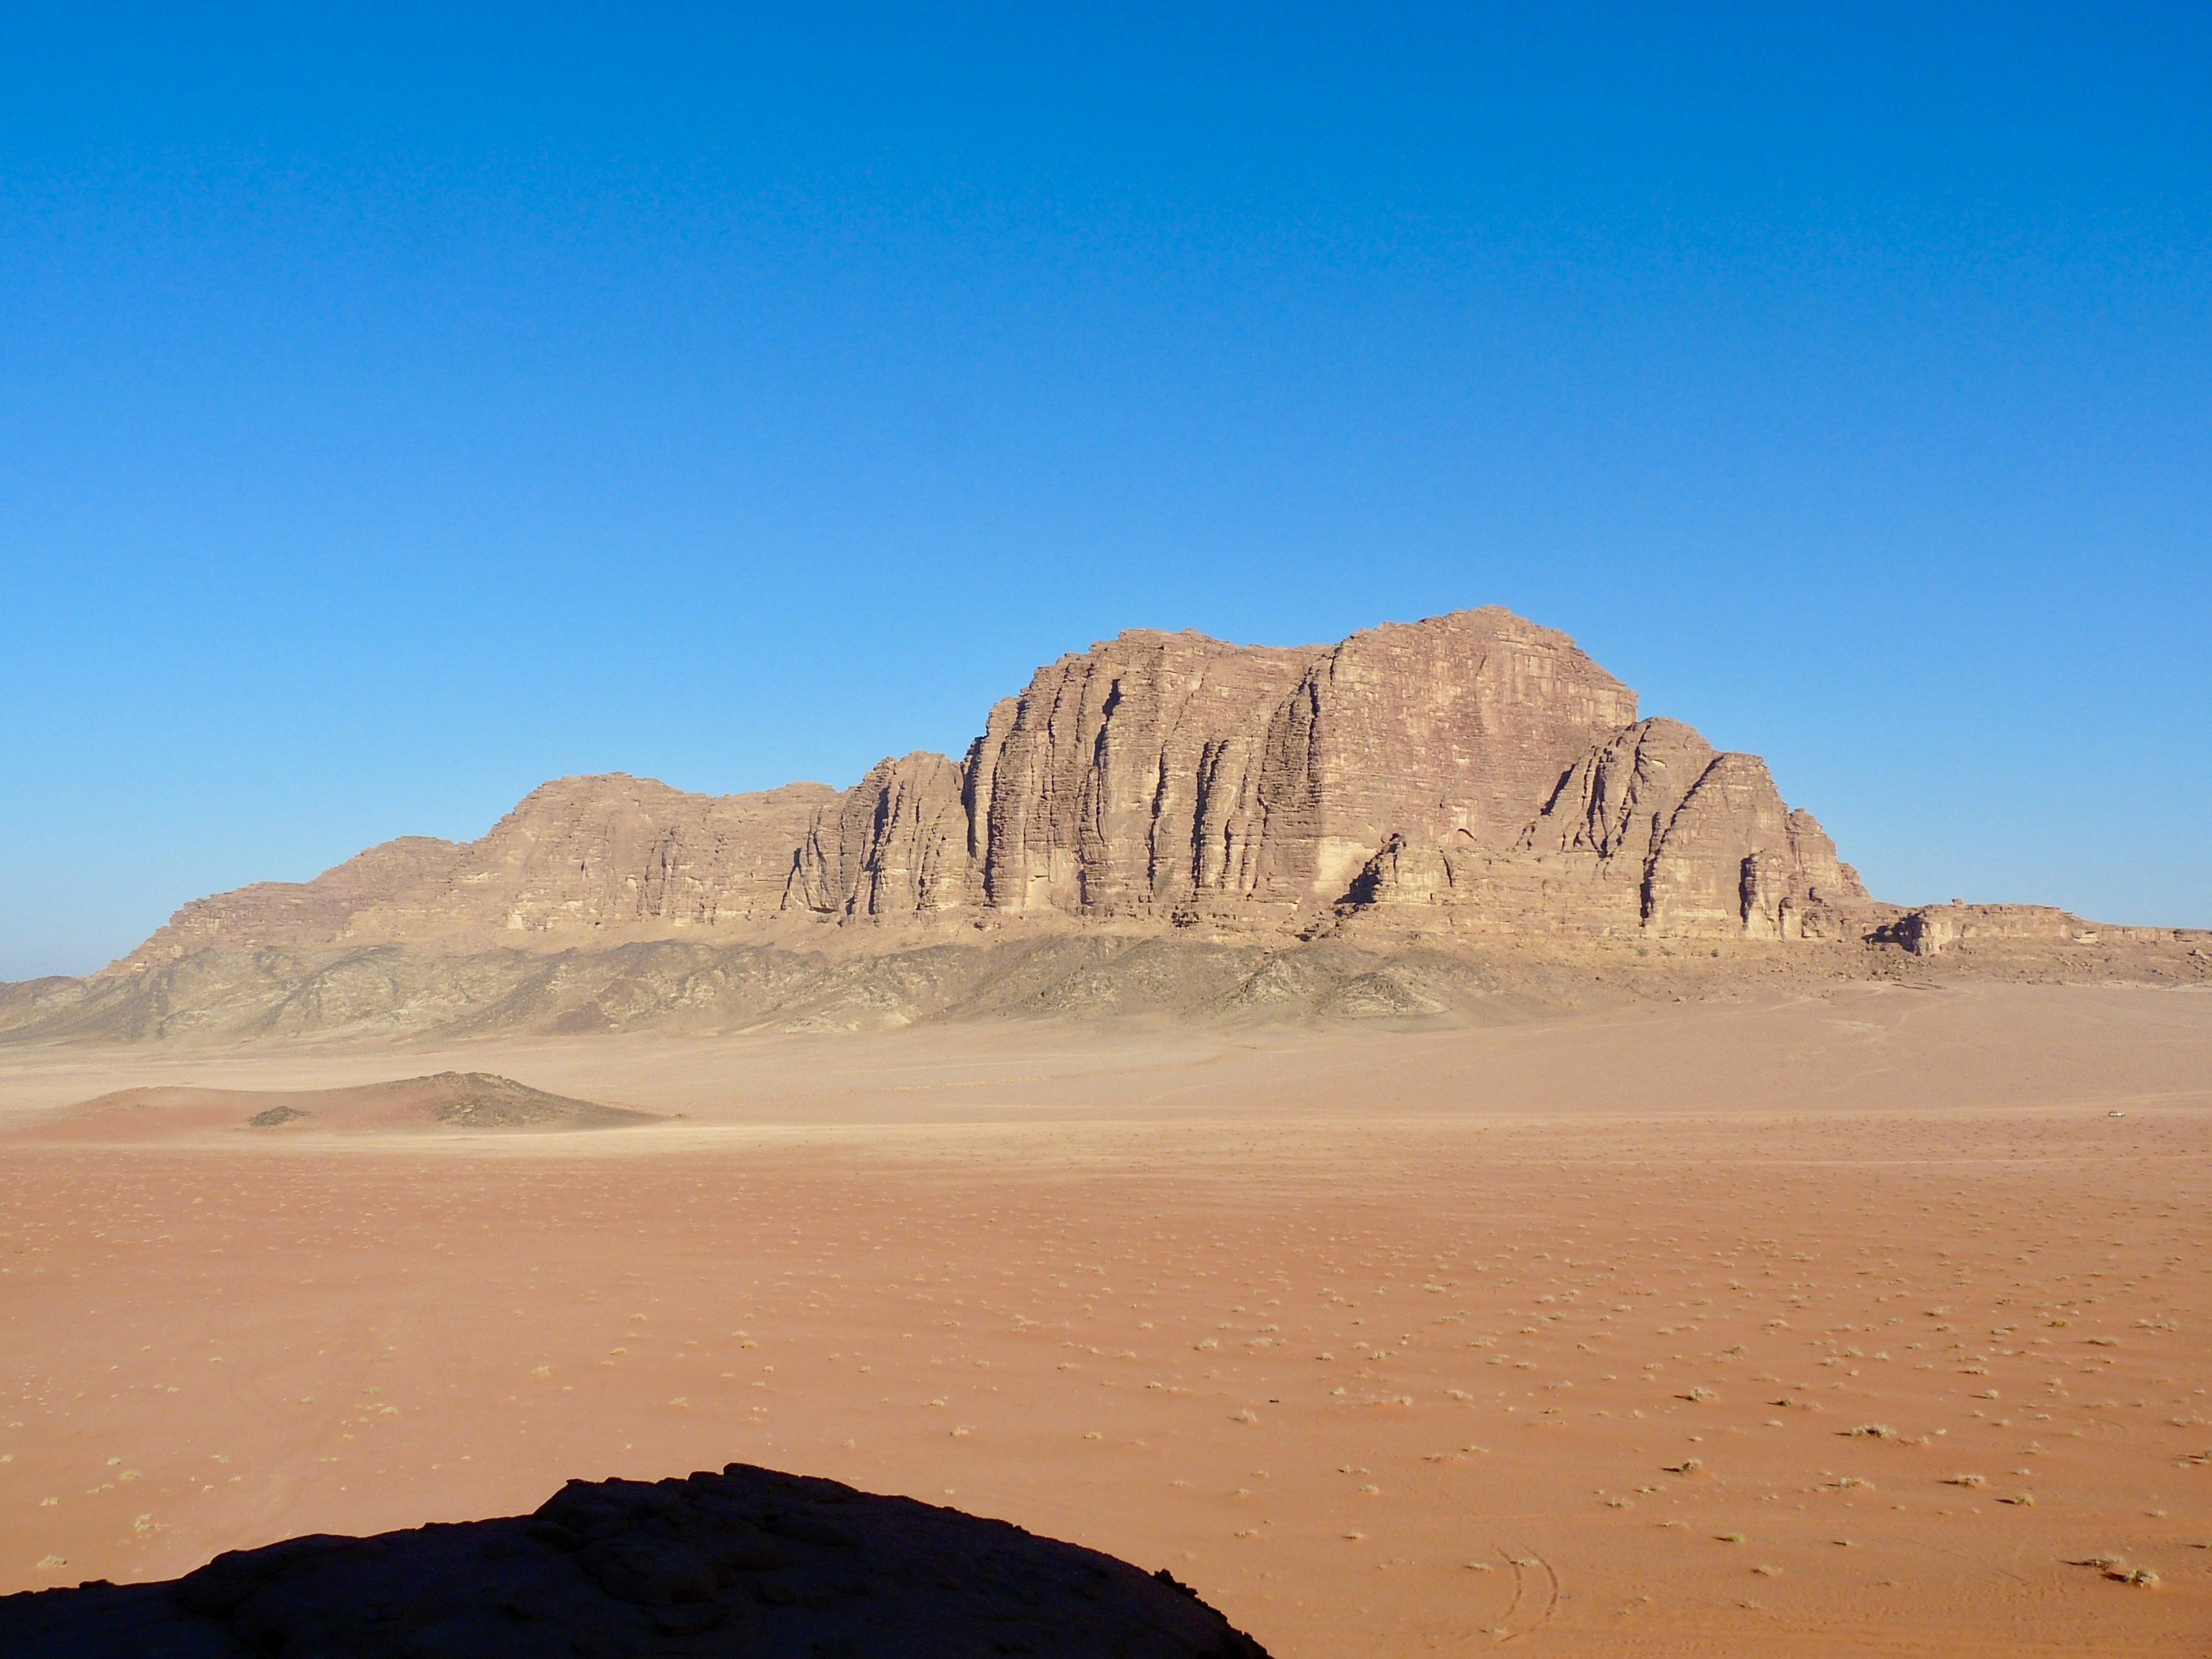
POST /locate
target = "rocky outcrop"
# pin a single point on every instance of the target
(290, 912)
(1131, 778)
(1617, 801)
(1724, 864)
(1455, 729)
(614, 857)
(1159, 775)
(896, 844)
(1472, 771)
(746, 1562)
(1933, 929)
(1652, 831)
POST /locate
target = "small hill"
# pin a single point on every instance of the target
(447, 1101)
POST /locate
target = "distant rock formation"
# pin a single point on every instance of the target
(1934, 930)
(1461, 818)
(747, 1563)
(610, 856)
(1471, 772)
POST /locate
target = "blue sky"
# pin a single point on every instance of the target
(399, 406)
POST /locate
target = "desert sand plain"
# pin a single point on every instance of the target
(1847, 1322)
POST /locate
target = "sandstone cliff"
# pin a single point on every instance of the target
(615, 857)
(1474, 763)
(1472, 772)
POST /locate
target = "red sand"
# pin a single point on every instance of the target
(1386, 1343)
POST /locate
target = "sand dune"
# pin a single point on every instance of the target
(448, 1101)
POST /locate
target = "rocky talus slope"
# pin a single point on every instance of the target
(1473, 781)
(747, 1564)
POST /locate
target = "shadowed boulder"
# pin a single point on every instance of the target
(748, 1562)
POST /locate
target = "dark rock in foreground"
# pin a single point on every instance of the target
(747, 1561)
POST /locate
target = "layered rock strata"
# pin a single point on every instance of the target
(1934, 930)
(612, 856)
(1474, 764)
(1470, 771)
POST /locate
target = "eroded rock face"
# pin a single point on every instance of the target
(613, 857)
(1456, 728)
(748, 1563)
(1650, 829)
(895, 844)
(1131, 777)
(310, 912)
(1619, 799)
(1169, 776)
(1934, 929)
(1472, 770)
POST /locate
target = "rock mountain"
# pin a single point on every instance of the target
(1462, 818)
(1471, 772)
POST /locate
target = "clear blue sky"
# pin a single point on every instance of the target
(400, 405)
